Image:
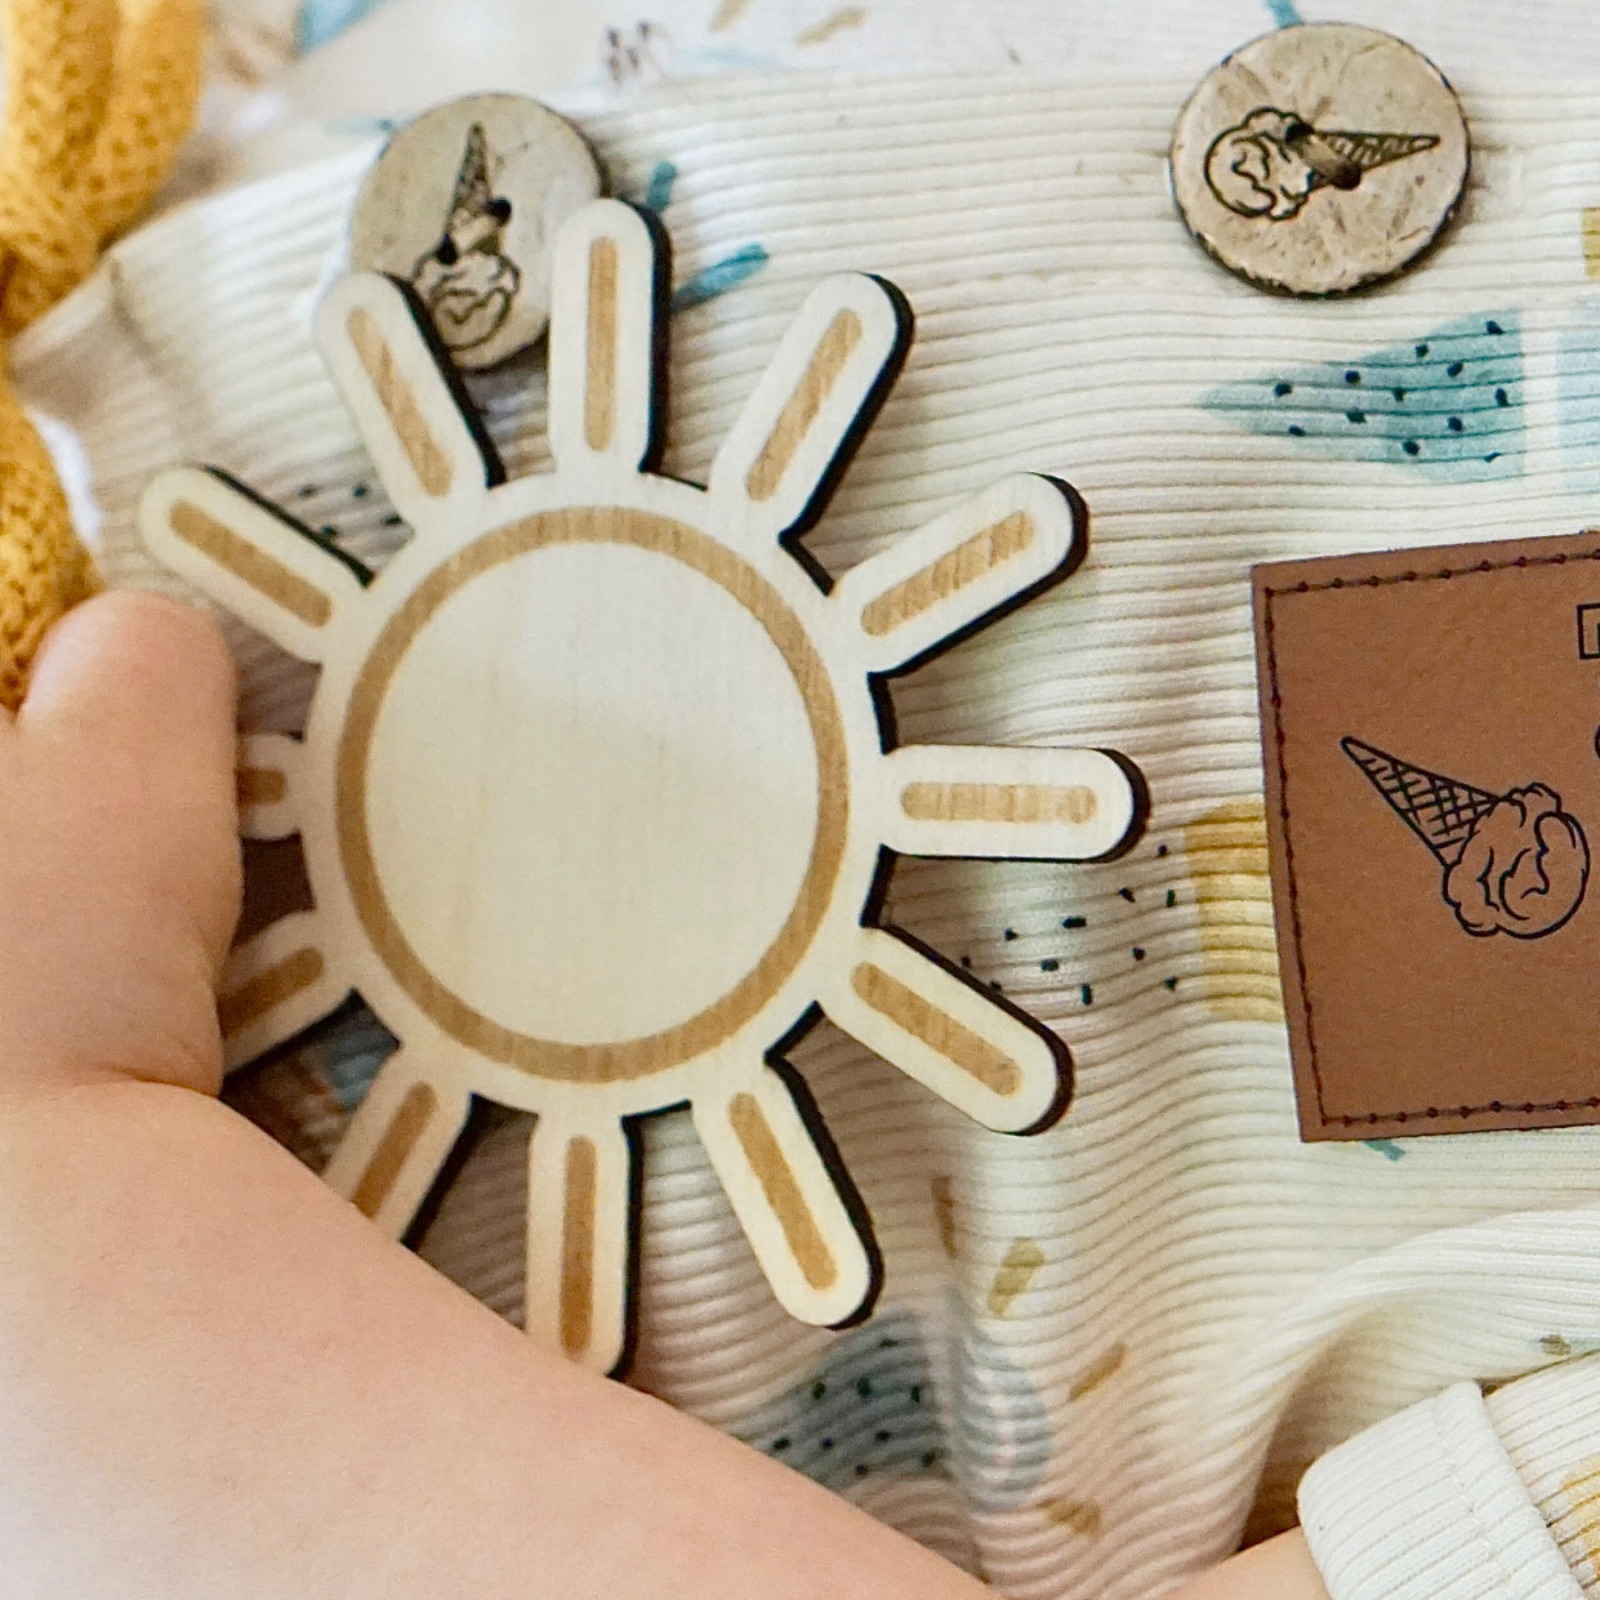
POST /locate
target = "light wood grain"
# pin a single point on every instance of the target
(277, 985)
(271, 579)
(257, 562)
(963, 568)
(579, 1207)
(577, 1248)
(808, 405)
(260, 993)
(265, 780)
(478, 1023)
(999, 802)
(427, 457)
(399, 1140)
(603, 344)
(947, 1034)
(600, 387)
(913, 1012)
(786, 1199)
(418, 1108)
(783, 1194)
(801, 409)
(955, 570)
(435, 464)
(1055, 804)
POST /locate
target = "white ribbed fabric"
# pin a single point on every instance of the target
(1105, 1352)
(1427, 1506)
(1550, 1426)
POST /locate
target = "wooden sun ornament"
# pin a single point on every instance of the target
(594, 790)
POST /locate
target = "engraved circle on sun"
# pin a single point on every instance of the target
(594, 791)
(698, 860)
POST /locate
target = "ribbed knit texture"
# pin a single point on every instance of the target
(1427, 1506)
(1550, 1426)
(1114, 1346)
(98, 96)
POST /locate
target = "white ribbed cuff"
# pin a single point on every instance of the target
(1427, 1506)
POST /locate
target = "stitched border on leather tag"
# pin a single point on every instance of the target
(1431, 733)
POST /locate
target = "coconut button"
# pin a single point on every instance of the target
(463, 205)
(1320, 159)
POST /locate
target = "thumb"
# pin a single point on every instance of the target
(138, 672)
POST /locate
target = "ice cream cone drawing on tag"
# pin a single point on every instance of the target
(1270, 164)
(1514, 863)
(466, 280)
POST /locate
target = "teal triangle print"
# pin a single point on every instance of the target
(322, 21)
(1448, 403)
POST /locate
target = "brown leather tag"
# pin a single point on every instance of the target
(1429, 724)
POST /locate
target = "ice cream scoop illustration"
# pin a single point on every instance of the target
(1270, 164)
(466, 280)
(1513, 863)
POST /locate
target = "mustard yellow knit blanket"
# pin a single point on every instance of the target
(99, 94)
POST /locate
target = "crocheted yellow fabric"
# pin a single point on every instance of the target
(99, 95)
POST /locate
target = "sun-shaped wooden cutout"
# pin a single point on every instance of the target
(596, 789)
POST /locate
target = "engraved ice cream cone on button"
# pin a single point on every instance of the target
(1274, 161)
(466, 280)
(463, 204)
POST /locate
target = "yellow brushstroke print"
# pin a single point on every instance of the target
(835, 22)
(1081, 1516)
(1591, 241)
(1577, 1528)
(1227, 856)
(1022, 1260)
(944, 1211)
(1101, 1370)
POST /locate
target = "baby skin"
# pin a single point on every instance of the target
(215, 1377)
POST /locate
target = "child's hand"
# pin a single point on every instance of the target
(218, 1378)
(119, 855)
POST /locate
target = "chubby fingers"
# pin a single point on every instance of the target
(142, 673)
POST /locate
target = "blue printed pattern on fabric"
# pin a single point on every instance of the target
(1577, 358)
(1448, 403)
(868, 1410)
(719, 277)
(321, 21)
(663, 179)
(350, 1054)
